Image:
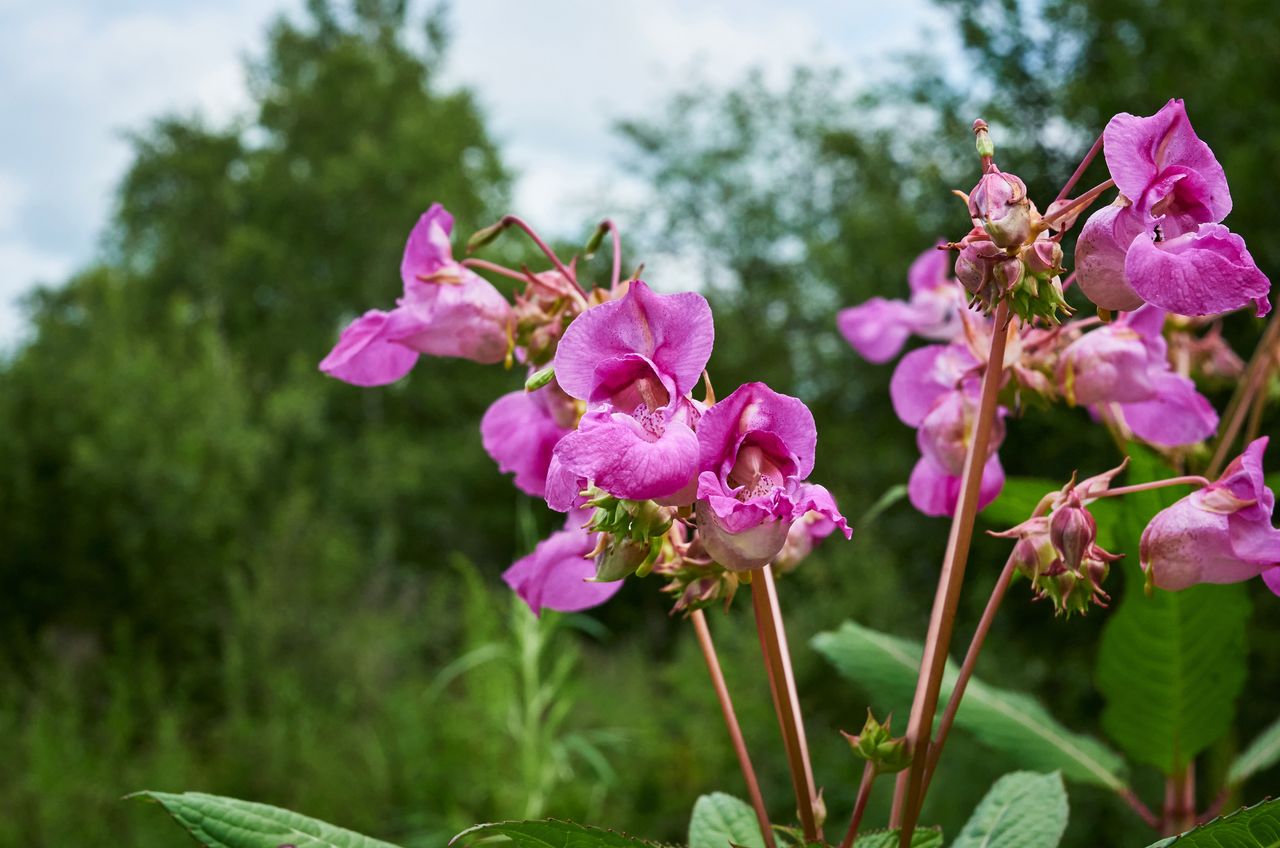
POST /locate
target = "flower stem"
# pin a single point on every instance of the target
(907, 794)
(616, 274)
(1188, 480)
(514, 220)
(1080, 169)
(966, 671)
(773, 643)
(495, 268)
(1253, 381)
(731, 721)
(1179, 801)
(860, 806)
(1078, 205)
(1143, 811)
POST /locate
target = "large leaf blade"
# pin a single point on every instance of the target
(721, 820)
(550, 833)
(922, 837)
(1011, 722)
(1021, 810)
(1251, 827)
(219, 822)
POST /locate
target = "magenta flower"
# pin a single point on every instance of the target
(1123, 369)
(879, 328)
(1219, 534)
(1164, 243)
(558, 574)
(757, 447)
(446, 310)
(520, 430)
(634, 362)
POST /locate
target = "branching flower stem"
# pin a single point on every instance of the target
(1252, 383)
(773, 643)
(908, 794)
(1078, 205)
(731, 721)
(516, 221)
(1080, 169)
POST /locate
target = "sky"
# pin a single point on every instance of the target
(77, 75)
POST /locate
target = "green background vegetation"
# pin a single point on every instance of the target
(222, 571)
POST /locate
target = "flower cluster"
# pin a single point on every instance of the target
(607, 429)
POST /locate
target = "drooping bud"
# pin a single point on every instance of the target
(620, 558)
(999, 204)
(877, 745)
(975, 266)
(1043, 258)
(538, 379)
(485, 236)
(1073, 531)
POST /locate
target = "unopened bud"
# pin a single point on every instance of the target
(597, 237)
(1073, 531)
(877, 745)
(1043, 257)
(486, 236)
(975, 266)
(1009, 273)
(619, 559)
(538, 379)
(999, 204)
(982, 139)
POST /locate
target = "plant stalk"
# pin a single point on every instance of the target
(1253, 381)
(1080, 169)
(907, 793)
(1078, 205)
(860, 806)
(731, 721)
(773, 643)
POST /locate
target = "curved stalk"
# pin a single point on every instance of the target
(731, 721)
(1253, 381)
(907, 794)
(860, 806)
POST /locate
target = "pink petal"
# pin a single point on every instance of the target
(564, 488)
(935, 492)
(520, 434)
(930, 269)
(1100, 256)
(556, 575)
(924, 375)
(1109, 364)
(1272, 578)
(1200, 273)
(755, 407)
(1138, 150)
(468, 319)
(1184, 545)
(427, 249)
(877, 329)
(615, 452)
(673, 331)
(365, 357)
(1177, 415)
(752, 545)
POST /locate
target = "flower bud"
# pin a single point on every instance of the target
(999, 204)
(1033, 554)
(975, 266)
(877, 745)
(1009, 273)
(1073, 532)
(1043, 257)
(620, 558)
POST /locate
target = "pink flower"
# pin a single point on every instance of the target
(1164, 244)
(879, 328)
(558, 574)
(520, 430)
(634, 362)
(757, 448)
(446, 310)
(1219, 534)
(1124, 368)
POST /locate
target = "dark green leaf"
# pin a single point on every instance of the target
(1011, 722)
(925, 837)
(1252, 827)
(1022, 810)
(218, 822)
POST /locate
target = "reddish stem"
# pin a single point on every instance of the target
(1143, 811)
(513, 220)
(773, 643)
(1249, 386)
(731, 721)
(1080, 169)
(1188, 480)
(616, 274)
(860, 806)
(907, 794)
(1078, 205)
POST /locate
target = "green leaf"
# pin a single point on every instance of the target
(1262, 754)
(1252, 827)
(218, 822)
(1171, 667)
(550, 833)
(1011, 722)
(1021, 810)
(720, 820)
(924, 837)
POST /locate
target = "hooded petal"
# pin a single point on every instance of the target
(556, 575)
(564, 488)
(1200, 273)
(930, 269)
(924, 375)
(674, 331)
(877, 329)
(1100, 254)
(427, 250)
(1109, 364)
(468, 318)
(1140, 150)
(624, 458)
(812, 499)
(1184, 545)
(755, 407)
(520, 435)
(1176, 415)
(364, 356)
